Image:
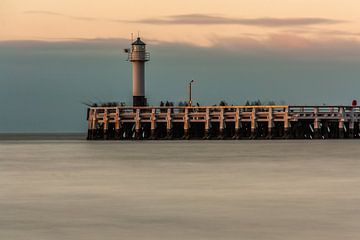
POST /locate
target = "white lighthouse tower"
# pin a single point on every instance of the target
(138, 56)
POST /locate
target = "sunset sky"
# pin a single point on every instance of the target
(294, 23)
(55, 55)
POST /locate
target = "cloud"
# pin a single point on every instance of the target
(204, 19)
(288, 41)
(72, 17)
(275, 42)
(61, 15)
(292, 45)
(318, 31)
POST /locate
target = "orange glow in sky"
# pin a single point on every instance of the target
(200, 22)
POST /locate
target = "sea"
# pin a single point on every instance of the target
(67, 188)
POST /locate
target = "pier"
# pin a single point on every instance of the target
(142, 122)
(223, 122)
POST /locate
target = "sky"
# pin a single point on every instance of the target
(54, 55)
(200, 22)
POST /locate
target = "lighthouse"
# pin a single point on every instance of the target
(137, 55)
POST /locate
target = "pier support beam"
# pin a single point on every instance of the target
(253, 124)
(221, 124)
(89, 111)
(237, 124)
(326, 127)
(207, 134)
(341, 130)
(351, 124)
(186, 124)
(169, 125)
(153, 135)
(351, 130)
(270, 124)
(137, 125)
(106, 126)
(342, 123)
(117, 125)
(92, 124)
(351, 133)
(286, 124)
(317, 132)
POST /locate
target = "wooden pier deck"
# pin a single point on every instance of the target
(223, 122)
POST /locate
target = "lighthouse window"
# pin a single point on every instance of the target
(139, 48)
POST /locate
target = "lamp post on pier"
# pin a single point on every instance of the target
(190, 92)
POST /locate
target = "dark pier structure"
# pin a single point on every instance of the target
(223, 122)
(214, 122)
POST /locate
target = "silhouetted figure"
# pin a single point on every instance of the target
(354, 103)
(223, 103)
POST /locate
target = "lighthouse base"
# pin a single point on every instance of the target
(139, 101)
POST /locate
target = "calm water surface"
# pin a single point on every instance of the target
(179, 190)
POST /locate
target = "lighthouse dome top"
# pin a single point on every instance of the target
(138, 42)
